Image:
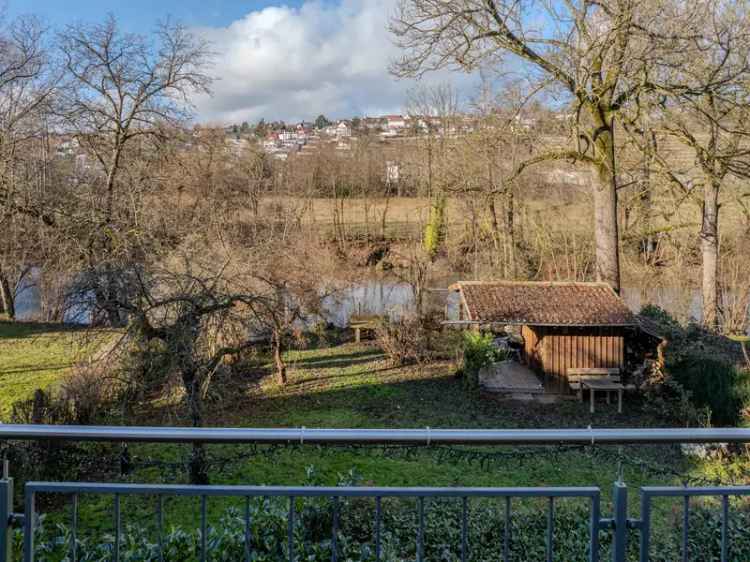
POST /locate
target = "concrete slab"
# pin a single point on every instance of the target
(510, 377)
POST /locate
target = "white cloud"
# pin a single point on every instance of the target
(295, 63)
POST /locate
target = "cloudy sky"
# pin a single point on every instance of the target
(277, 60)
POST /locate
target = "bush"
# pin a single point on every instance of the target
(701, 373)
(442, 537)
(404, 341)
(90, 390)
(478, 352)
(713, 384)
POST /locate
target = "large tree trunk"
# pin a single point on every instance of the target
(198, 464)
(710, 255)
(7, 298)
(606, 230)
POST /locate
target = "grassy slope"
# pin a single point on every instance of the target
(34, 355)
(352, 386)
(347, 386)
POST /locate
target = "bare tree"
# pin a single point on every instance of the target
(121, 87)
(26, 87)
(434, 111)
(591, 52)
(707, 114)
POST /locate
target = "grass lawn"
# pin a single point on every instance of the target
(353, 386)
(350, 385)
(35, 355)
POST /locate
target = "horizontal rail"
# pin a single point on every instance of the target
(306, 491)
(426, 436)
(682, 492)
(650, 493)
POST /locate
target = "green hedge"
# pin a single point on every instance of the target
(442, 538)
(714, 384)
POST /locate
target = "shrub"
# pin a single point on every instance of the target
(404, 341)
(478, 352)
(712, 383)
(89, 390)
(442, 537)
(700, 373)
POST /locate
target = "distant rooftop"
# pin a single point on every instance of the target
(543, 303)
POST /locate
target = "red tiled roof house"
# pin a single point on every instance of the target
(564, 325)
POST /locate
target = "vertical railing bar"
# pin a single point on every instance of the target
(160, 524)
(117, 527)
(550, 527)
(594, 529)
(420, 532)
(247, 529)
(645, 527)
(378, 523)
(620, 508)
(335, 530)
(290, 529)
(464, 528)
(685, 528)
(724, 528)
(204, 528)
(506, 534)
(74, 530)
(28, 537)
(6, 513)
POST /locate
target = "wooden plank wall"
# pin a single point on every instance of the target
(532, 354)
(582, 348)
(560, 349)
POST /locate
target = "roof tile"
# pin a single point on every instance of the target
(535, 303)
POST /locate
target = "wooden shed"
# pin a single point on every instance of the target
(564, 325)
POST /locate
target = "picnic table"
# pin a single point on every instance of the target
(606, 385)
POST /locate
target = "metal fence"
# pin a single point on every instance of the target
(618, 526)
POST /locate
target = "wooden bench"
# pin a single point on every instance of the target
(593, 379)
(359, 322)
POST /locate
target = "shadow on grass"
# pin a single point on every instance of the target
(343, 362)
(337, 377)
(21, 330)
(337, 361)
(402, 397)
(34, 369)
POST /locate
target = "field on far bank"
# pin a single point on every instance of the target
(553, 209)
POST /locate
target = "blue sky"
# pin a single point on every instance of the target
(290, 60)
(139, 14)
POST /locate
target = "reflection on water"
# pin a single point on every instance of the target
(373, 297)
(394, 299)
(682, 304)
(29, 304)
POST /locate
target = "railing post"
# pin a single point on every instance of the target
(6, 515)
(620, 522)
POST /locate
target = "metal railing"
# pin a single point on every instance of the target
(619, 525)
(293, 493)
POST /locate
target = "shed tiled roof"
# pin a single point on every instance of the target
(540, 304)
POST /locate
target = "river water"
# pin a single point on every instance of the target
(394, 299)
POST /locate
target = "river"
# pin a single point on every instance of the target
(384, 297)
